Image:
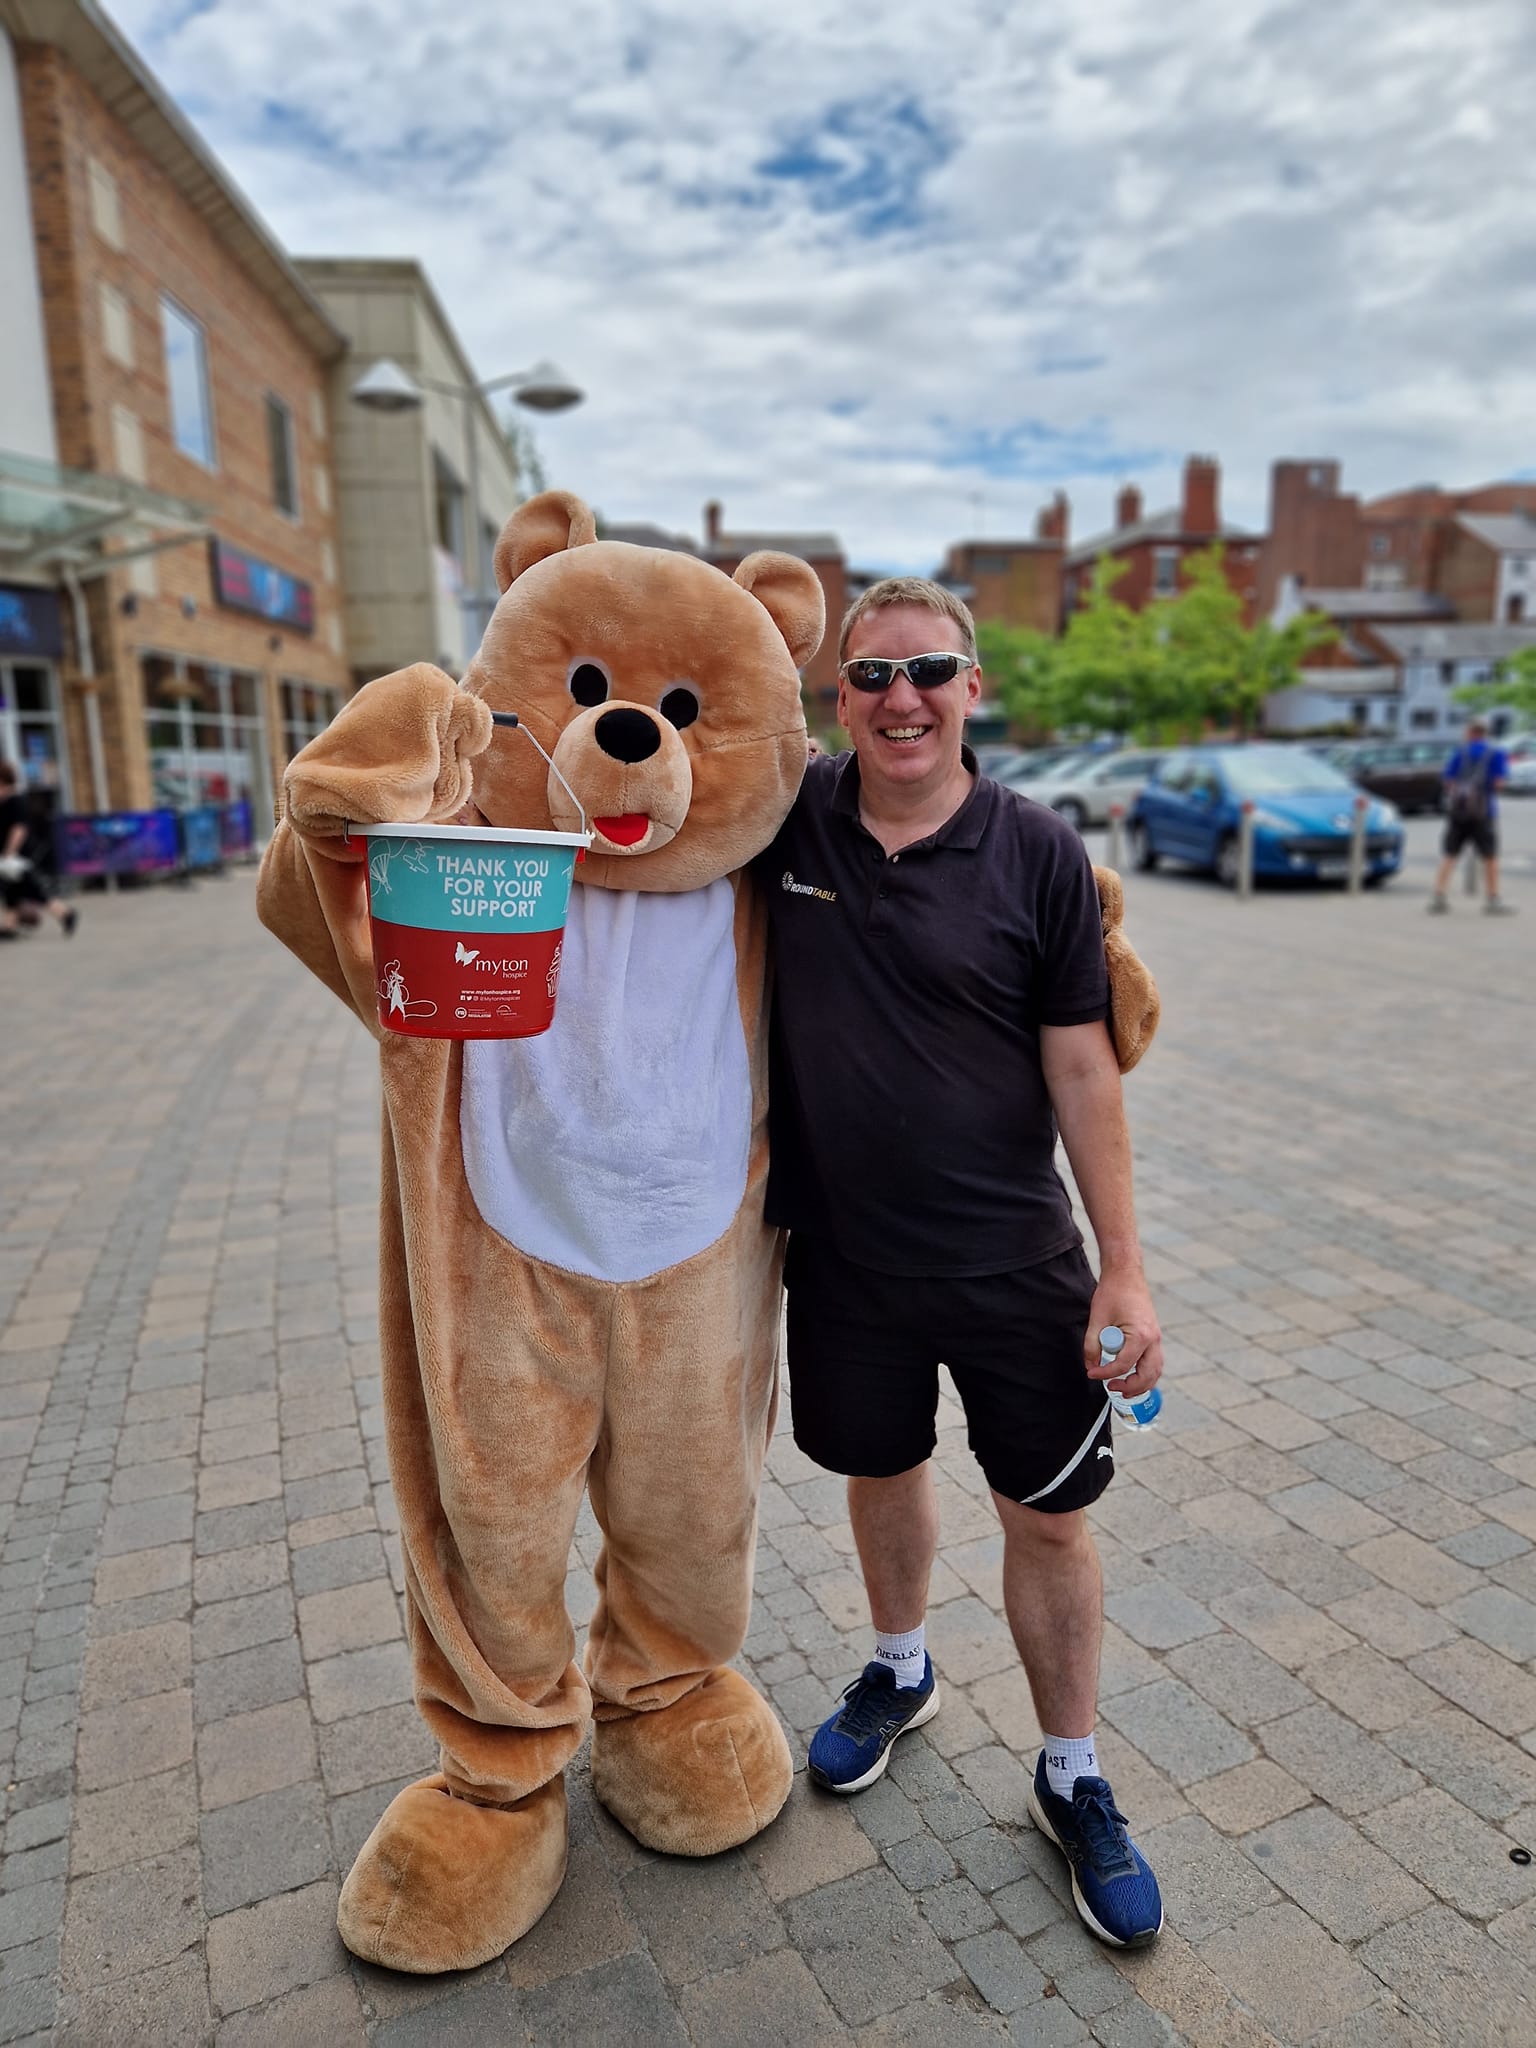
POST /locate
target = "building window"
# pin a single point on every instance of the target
(1381, 544)
(116, 325)
(1165, 571)
(31, 728)
(1514, 608)
(186, 373)
(128, 444)
(1424, 720)
(207, 737)
(308, 709)
(280, 451)
(106, 213)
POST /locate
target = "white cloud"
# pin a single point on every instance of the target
(998, 253)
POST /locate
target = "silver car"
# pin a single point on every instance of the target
(1083, 790)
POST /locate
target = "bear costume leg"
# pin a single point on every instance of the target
(686, 1754)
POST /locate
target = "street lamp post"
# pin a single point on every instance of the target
(387, 388)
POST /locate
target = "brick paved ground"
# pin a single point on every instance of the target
(1319, 1699)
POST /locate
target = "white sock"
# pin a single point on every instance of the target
(1068, 1758)
(902, 1654)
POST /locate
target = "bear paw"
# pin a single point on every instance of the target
(705, 1774)
(443, 1884)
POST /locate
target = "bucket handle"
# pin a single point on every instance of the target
(510, 718)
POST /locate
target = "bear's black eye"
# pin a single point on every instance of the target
(588, 683)
(680, 706)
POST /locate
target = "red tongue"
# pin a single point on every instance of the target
(626, 831)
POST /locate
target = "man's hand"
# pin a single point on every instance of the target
(1124, 1299)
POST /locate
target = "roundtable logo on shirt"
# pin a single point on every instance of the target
(793, 888)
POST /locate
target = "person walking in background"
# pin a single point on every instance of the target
(940, 1008)
(1473, 777)
(26, 859)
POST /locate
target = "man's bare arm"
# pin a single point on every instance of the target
(1078, 1061)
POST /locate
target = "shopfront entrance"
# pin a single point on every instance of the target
(206, 735)
(32, 725)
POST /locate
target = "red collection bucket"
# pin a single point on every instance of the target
(467, 925)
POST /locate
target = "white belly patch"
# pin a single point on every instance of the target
(616, 1143)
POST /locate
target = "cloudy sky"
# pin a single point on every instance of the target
(904, 271)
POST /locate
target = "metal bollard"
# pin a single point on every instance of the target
(1114, 856)
(1357, 845)
(1469, 868)
(1245, 849)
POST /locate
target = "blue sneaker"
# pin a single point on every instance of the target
(1113, 1888)
(852, 1749)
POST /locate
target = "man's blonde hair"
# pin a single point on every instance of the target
(918, 590)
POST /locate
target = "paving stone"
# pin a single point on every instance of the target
(352, 1617)
(956, 1909)
(167, 2004)
(1158, 1617)
(1238, 1680)
(869, 1947)
(330, 2012)
(143, 1571)
(989, 1858)
(134, 1821)
(1457, 1855)
(360, 1680)
(390, 1743)
(1249, 1797)
(1347, 1768)
(137, 1664)
(30, 1913)
(248, 1754)
(263, 1846)
(135, 1739)
(1468, 1989)
(589, 1922)
(1483, 1544)
(1001, 1970)
(132, 1919)
(234, 1573)
(1326, 1511)
(1288, 1972)
(1392, 1623)
(1373, 1691)
(815, 1841)
(1500, 1619)
(699, 1917)
(482, 2013)
(1478, 1768)
(1177, 1731)
(1027, 1907)
(1282, 1626)
(1334, 1874)
(242, 1623)
(262, 1951)
(1205, 1880)
(763, 2004)
(1487, 1685)
(967, 1640)
(613, 2006)
(246, 1680)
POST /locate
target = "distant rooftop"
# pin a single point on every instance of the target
(811, 547)
(1377, 604)
(1167, 525)
(1456, 643)
(640, 534)
(1507, 532)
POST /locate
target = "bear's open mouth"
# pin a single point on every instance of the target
(627, 830)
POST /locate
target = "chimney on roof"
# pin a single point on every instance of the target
(1127, 507)
(712, 521)
(1202, 497)
(1055, 520)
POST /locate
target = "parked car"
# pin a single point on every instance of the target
(1302, 820)
(1520, 752)
(1082, 790)
(1029, 763)
(1409, 772)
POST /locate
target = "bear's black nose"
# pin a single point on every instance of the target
(627, 735)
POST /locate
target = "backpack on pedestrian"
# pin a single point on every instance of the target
(1466, 797)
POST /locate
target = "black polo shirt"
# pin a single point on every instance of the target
(909, 1118)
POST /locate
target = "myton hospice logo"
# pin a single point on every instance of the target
(793, 888)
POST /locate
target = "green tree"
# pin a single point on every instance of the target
(1513, 687)
(1020, 668)
(1223, 668)
(1108, 671)
(531, 474)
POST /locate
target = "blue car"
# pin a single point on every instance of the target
(1303, 814)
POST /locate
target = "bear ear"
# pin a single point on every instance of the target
(790, 592)
(545, 525)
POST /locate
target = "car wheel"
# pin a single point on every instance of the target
(1227, 862)
(1073, 812)
(1141, 848)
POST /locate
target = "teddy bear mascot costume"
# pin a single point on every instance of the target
(577, 1288)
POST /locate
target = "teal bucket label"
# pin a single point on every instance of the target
(483, 886)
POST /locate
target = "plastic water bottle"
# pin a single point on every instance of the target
(1144, 1410)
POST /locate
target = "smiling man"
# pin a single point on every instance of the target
(940, 1010)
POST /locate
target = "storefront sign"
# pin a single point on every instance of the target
(119, 843)
(244, 584)
(30, 622)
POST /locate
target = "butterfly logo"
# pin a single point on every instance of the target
(463, 955)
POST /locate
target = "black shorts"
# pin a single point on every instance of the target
(1482, 833)
(864, 1356)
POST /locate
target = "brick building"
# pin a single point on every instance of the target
(824, 552)
(1014, 582)
(186, 516)
(1154, 546)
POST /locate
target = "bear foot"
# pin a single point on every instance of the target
(705, 1774)
(443, 1884)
